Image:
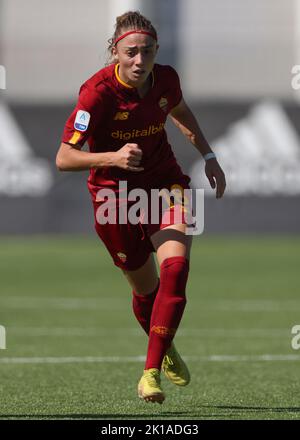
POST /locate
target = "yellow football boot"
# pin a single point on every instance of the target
(175, 368)
(149, 386)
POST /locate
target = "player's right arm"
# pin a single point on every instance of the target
(71, 158)
(82, 123)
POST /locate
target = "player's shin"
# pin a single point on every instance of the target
(142, 307)
(168, 309)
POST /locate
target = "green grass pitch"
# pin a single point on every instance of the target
(74, 347)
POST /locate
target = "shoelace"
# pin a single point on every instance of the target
(168, 360)
(152, 378)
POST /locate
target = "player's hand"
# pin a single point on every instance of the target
(216, 177)
(129, 157)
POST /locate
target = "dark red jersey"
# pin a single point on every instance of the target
(110, 113)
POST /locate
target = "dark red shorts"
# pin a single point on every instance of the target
(129, 244)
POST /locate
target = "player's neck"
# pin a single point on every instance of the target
(142, 89)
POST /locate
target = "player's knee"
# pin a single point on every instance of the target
(146, 291)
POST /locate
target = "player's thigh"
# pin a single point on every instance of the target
(145, 279)
(172, 241)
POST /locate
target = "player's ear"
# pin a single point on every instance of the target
(157, 47)
(115, 53)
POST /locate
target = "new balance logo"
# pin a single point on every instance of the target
(121, 116)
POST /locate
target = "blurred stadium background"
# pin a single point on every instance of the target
(235, 60)
(238, 67)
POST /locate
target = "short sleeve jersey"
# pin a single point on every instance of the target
(110, 113)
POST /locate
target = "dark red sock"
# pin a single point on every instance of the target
(142, 307)
(168, 308)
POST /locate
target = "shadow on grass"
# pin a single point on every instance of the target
(232, 410)
(101, 416)
(255, 408)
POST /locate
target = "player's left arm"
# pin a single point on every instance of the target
(184, 119)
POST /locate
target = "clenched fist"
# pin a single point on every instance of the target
(129, 157)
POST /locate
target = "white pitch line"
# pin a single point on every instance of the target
(126, 359)
(118, 303)
(73, 331)
(64, 303)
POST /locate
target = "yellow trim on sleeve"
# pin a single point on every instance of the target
(75, 138)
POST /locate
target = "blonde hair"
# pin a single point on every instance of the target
(125, 22)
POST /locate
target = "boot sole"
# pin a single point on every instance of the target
(154, 398)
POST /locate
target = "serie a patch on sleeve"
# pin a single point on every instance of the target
(82, 120)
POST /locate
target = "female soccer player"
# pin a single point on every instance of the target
(121, 112)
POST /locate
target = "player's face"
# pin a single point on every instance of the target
(136, 55)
